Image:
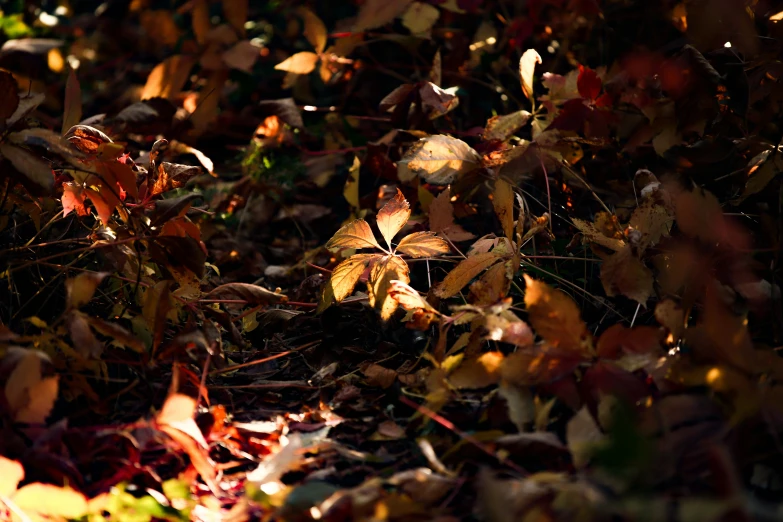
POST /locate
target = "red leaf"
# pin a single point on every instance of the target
(588, 83)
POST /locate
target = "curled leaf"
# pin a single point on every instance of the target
(253, 294)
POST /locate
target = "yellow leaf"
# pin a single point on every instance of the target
(72, 107)
(477, 373)
(527, 65)
(356, 234)
(462, 274)
(80, 289)
(314, 29)
(299, 63)
(347, 273)
(49, 501)
(423, 244)
(11, 474)
(623, 273)
(407, 297)
(386, 270)
(438, 160)
(393, 216)
(168, 78)
(420, 17)
(503, 202)
(351, 190)
(29, 394)
(555, 316)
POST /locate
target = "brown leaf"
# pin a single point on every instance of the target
(375, 13)
(462, 274)
(437, 101)
(120, 335)
(671, 316)
(160, 26)
(86, 139)
(72, 107)
(503, 127)
(35, 169)
(653, 220)
(314, 29)
(423, 244)
(699, 214)
(477, 373)
(503, 203)
(299, 63)
(420, 17)
(253, 294)
(393, 216)
(29, 391)
(356, 234)
(235, 13)
(9, 95)
(441, 216)
(623, 273)
(594, 235)
(27, 104)
(493, 284)
(241, 56)
(379, 376)
(528, 367)
(555, 317)
(438, 160)
(84, 341)
(382, 273)
(527, 66)
(617, 340)
(171, 176)
(168, 78)
(407, 297)
(80, 289)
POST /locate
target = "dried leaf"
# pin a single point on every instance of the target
(241, 56)
(299, 63)
(464, 272)
(671, 316)
(438, 160)
(356, 234)
(379, 376)
(346, 275)
(582, 437)
(420, 17)
(623, 273)
(375, 13)
(555, 317)
(171, 176)
(27, 104)
(253, 294)
(72, 107)
(529, 367)
(527, 66)
(29, 393)
(441, 216)
(393, 216)
(653, 220)
(407, 297)
(503, 127)
(503, 203)
(80, 289)
(423, 244)
(382, 273)
(477, 373)
(314, 29)
(35, 169)
(593, 235)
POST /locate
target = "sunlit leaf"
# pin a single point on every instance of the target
(299, 63)
(81, 288)
(252, 294)
(393, 216)
(438, 160)
(527, 66)
(503, 203)
(423, 244)
(464, 272)
(382, 273)
(555, 316)
(593, 235)
(407, 297)
(356, 234)
(347, 274)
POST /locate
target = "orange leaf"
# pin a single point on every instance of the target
(441, 216)
(555, 317)
(73, 200)
(462, 274)
(346, 274)
(299, 63)
(103, 209)
(503, 202)
(393, 216)
(356, 234)
(422, 244)
(382, 273)
(623, 273)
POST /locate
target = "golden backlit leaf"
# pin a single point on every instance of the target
(464, 272)
(382, 273)
(160, 26)
(527, 66)
(30, 394)
(438, 160)
(50, 502)
(393, 216)
(477, 373)
(555, 316)
(168, 78)
(503, 203)
(407, 297)
(623, 273)
(346, 274)
(299, 63)
(423, 244)
(80, 289)
(314, 28)
(356, 234)
(11, 474)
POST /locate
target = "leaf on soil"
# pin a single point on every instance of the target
(438, 160)
(527, 66)
(480, 372)
(376, 13)
(423, 244)
(379, 376)
(30, 390)
(253, 294)
(441, 216)
(299, 63)
(393, 216)
(503, 203)
(464, 272)
(35, 169)
(624, 273)
(80, 289)
(356, 234)
(503, 127)
(555, 317)
(594, 235)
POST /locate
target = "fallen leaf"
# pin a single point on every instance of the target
(253, 294)
(555, 317)
(376, 13)
(503, 127)
(624, 273)
(464, 272)
(438, 160)
(583, 436)
(594, 235)
(35, 169)
(379, 376)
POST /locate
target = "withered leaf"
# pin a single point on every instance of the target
(527, 66)
(72, 110)
(422, 244)
(383, 272)
(253, 294)
(356, 234)
(171, 176)
(441, 216)
(393, 216)
(624, 273)
(503, 127)
(177, 251)
(438, 159)
(503, 203)
(531, 366)
(35, 169)
(593, 235)
(555, 317)
(407, 297)
(464, 272)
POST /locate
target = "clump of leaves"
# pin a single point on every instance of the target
(383, 267)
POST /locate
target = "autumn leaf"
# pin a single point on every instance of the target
(441, 216)
(30, 391)
(438, 160)
(503, 203)
(347, 274)
(252, 294)
(623, 273)
(588, 83)
(464, 272)
(423, 244)
(376, 13)
(72, 109)
(408, 298)
(80, 289)
(299, 63)
(393, 216)
(356, 234)
(594, 235)
(539, 365)
(527, 66)
(382, 273)
(503, 127)
(420, 17)
(314, 28)
(35, 169)
(555, 317)
(477, 373)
